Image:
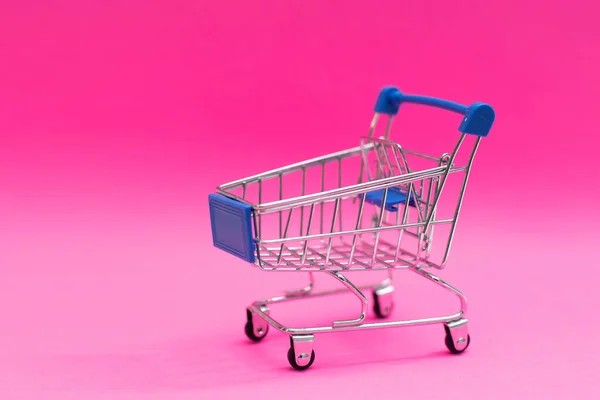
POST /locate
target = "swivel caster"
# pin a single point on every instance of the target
(457, 336)
(256, 328)
(301, 354)
(383, 301)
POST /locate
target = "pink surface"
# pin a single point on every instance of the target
(118, 118)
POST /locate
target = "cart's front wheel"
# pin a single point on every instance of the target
(253, 334)
(291, 355)
(256, 329)
(301, 354)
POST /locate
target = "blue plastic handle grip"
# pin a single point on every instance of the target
(478, 119)
(430, 101)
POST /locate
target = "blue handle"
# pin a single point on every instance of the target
(429, 101)
(478, 120)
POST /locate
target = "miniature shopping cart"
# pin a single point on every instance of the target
(370, 208)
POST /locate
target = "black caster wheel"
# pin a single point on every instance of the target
(450, 343)
(258, 332)
(291, 355)
(382, 305)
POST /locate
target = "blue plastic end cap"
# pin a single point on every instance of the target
(478, 120)
(231, 223)
(385, 103)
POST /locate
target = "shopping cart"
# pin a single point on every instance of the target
(314, 217)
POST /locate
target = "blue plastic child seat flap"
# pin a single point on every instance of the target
(394, 197)
(231, 223)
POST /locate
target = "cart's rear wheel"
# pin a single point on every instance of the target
(383, 302)
(450, 342)
(255, 332)
(452, 348)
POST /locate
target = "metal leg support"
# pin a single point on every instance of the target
(457, 330)
(301, 353)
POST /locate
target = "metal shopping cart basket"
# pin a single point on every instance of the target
(317, 217)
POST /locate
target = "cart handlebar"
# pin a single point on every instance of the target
(429, 101)
(478, 120)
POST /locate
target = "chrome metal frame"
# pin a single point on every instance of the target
(332, 247)
(257, 308)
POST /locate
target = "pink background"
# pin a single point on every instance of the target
(117, 119)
